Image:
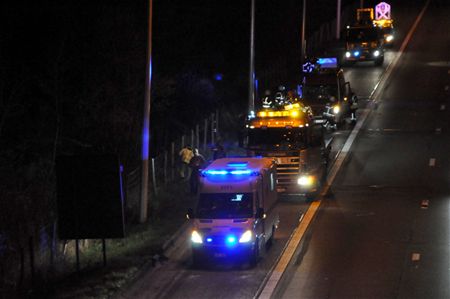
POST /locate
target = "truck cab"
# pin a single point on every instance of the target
(329, 95)
(235, 217)
(364, 42)
(289, 136)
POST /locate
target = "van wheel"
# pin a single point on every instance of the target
(197, 259)
(272, 237)
(254, 255)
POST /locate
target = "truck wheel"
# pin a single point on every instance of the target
(379, 61)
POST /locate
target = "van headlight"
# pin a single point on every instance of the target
(376, 53)
(196, 237)
(389, 38)
(336, 109)
(348, 54)
(305, 180)
(246, 237)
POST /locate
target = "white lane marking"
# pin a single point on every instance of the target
(446, 87)
(424, 204)
(448, 71)
(438, 130)
(432, 162)
(277, 271)
(415, 257)
(442, 107)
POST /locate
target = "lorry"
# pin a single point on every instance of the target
(235, 216)
(364, 40)
(329, 95)
(384, 21)
(288, 135)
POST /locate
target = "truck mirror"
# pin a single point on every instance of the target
(259, 213)
(190, 214)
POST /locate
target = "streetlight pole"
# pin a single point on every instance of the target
(303, 51)
(338, 20)
(146, 122)
(251, 84)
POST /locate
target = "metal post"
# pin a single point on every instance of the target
(251, 85)
(338, 20)
(146, 125)
(155, 189)
(192, 139)
(303, 52)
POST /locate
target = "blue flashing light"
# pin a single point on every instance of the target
(209, 240)
(356, 53)
(218, 77)
(328, 62)
(215, 172)
(237, 164)
(231, 240)
(240, 172)
(224, 172)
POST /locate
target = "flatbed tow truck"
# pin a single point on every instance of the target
(299, 147)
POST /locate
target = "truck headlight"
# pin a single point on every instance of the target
(389, 38)
(305, 180)
(348, 54)
(196, 237)
(246, 237)
(336, 109)
(376, 53)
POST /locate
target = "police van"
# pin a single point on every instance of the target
(235, 217)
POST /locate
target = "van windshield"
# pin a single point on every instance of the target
(225, 205)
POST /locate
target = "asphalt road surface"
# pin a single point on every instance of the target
(382, 229)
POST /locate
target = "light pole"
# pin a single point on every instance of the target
(251, 77)
(303, 50)
(146, 122)
(338, 20)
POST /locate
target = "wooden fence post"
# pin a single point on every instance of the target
(172, 162)
(212, 129)
(197, 136)
(205, 135)
(165, 167)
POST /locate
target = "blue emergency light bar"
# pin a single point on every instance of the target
(327, 62)
(223, 172)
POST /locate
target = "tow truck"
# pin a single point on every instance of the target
(326, 91)
(288, 135)
(364, 41)
(384, 21)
